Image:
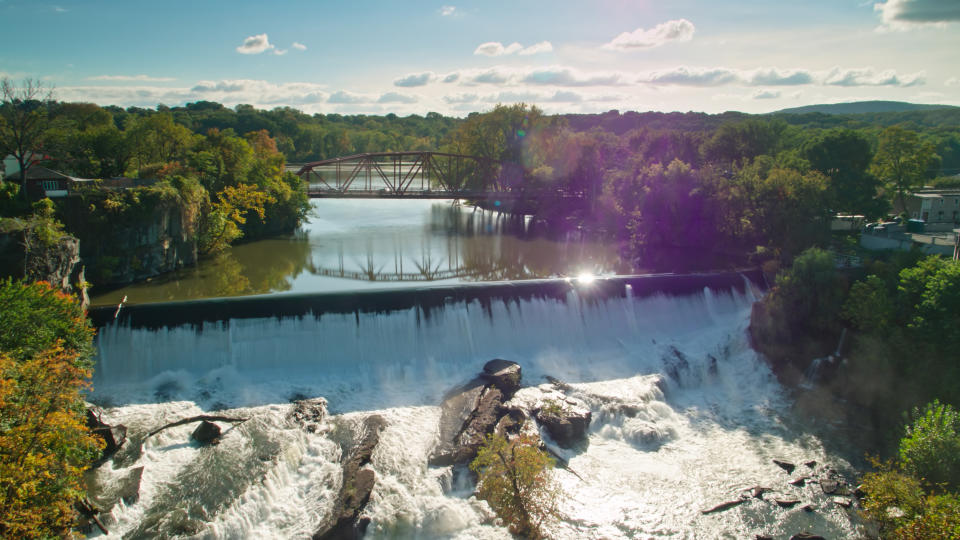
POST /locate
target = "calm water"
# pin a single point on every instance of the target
(361, 244)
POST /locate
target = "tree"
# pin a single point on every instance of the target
(844, 156)
(902, 160)
(23, 122)
(44, 444)
(735, 142)
(515, 480)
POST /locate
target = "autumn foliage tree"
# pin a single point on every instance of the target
(515, 480)
(45, 352)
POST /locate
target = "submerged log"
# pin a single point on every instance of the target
(198, 418)
(88, 511)
(785, 465)
(725, 506)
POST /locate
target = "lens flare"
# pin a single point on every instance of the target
(585, 278)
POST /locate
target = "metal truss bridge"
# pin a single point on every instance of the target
(423, 175)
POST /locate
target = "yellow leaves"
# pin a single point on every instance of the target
(44, 443)
(236, 201)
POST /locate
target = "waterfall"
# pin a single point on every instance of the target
(685, 415)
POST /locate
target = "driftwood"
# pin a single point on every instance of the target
(89, 512)
(725, 506)
(198, 418)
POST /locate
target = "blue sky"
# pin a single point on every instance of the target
(456, 57)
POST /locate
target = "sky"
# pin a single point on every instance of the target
(413, 57)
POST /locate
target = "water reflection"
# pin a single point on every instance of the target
(357, 244)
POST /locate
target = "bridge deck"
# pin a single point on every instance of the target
(411, 194)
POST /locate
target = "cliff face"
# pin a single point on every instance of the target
(139, 251)
(58, 263)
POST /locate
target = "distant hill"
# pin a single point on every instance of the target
(863, 107)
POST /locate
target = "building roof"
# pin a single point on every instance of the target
(42, 173)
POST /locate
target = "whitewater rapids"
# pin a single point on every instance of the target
(685, 417)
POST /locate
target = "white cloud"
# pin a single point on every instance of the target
(537, 48)
(395, 97)
(299, 46)
(451, 78)
(489, 76)
(280, 52)
(447, 11)
(461, 98)
(766, 94)
(685, 76)
(344, 97)
(952, 81)
(907, 14)
(495, 48)
(130, 78)
(870, 77)
(564, 76)
(677, 31)
(255, 45)
(773, 76)
(416, 79)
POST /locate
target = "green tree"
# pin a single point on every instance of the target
(902, 160)
(515, 480)
(844, 156)
(736, 142)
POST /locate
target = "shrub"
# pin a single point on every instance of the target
(930, 448)
(35, 317)
(515, 480)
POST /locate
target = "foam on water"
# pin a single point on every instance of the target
(685, 417)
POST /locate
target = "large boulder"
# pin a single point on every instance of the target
(503, 374)
(113, 436)
(206, 433)
(460, 441)
(566, 423)
(474, 410)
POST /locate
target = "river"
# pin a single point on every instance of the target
(356, 244)
(685, 414)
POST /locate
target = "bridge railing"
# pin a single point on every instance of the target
(398, 173)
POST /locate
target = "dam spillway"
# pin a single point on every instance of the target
(686, 414)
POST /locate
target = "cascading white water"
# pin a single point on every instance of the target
(685, 417)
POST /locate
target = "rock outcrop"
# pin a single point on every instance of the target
(566, 423)
(308, 413)
(345, 522)
(58, 264)
(472, 411)
(113, 436)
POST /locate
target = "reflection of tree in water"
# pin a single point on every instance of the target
(509, 258)
(271, 265)
(256, 268)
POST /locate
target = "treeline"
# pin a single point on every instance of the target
(300, 137)
(657, 181)
(754, 186)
